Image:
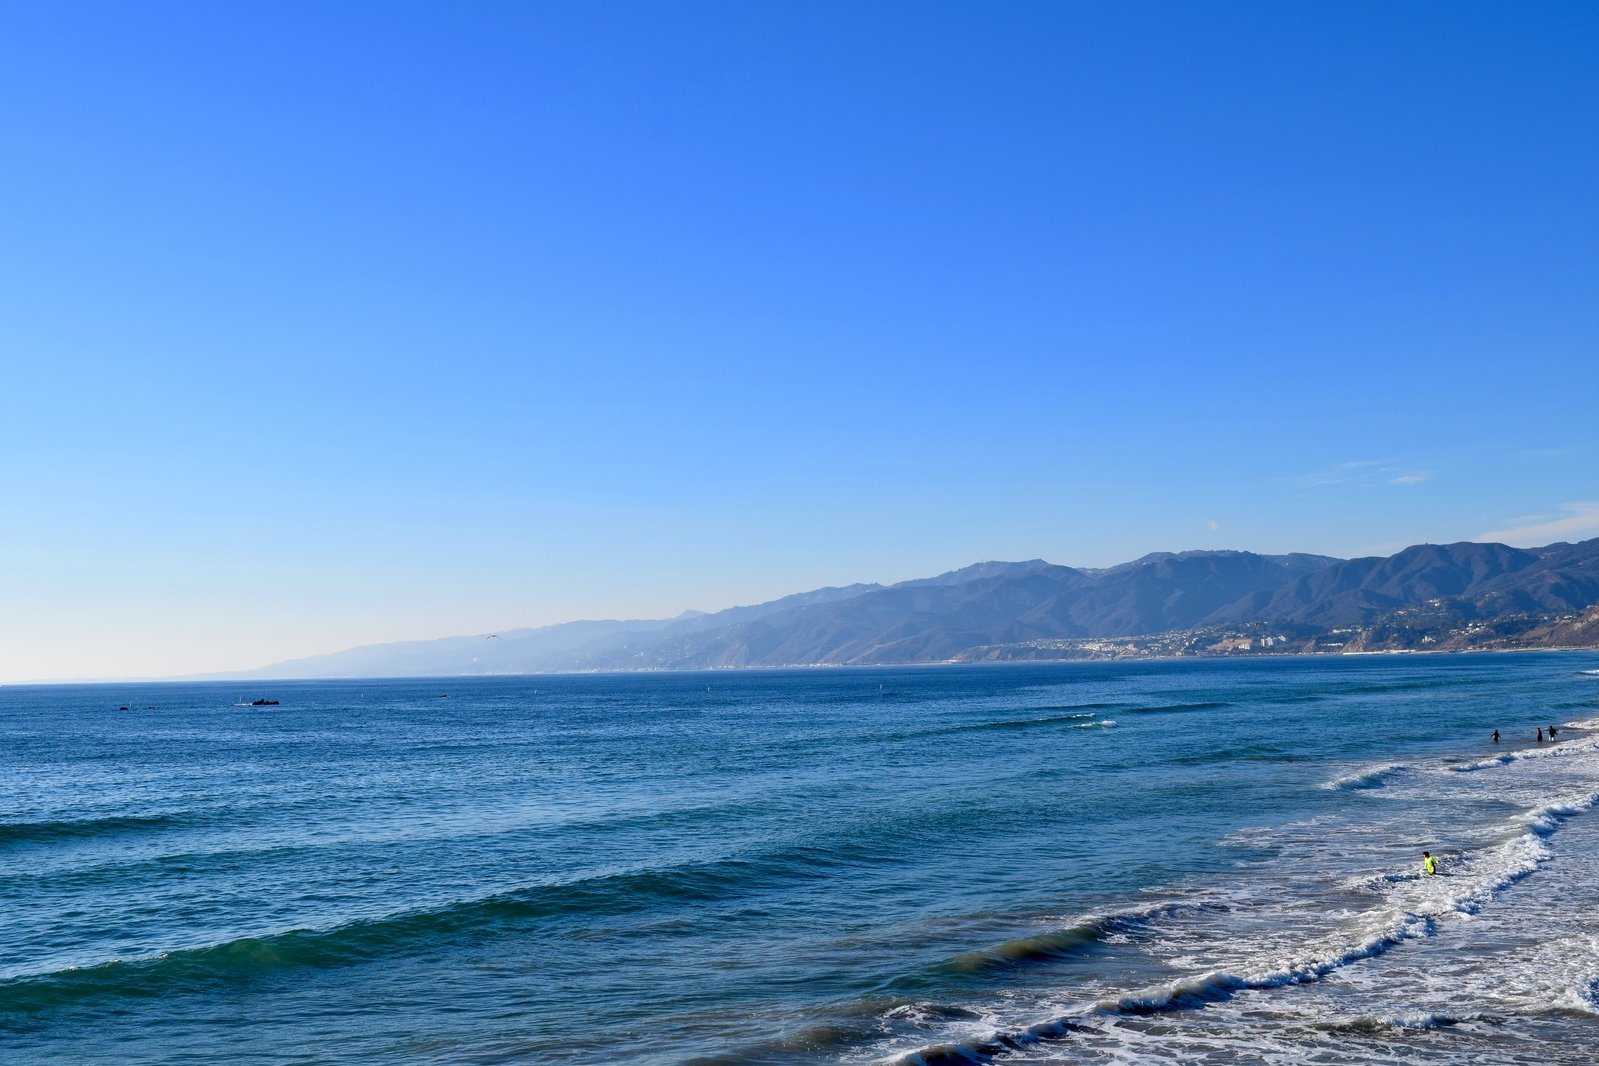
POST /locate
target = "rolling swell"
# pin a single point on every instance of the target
(1368, 1025)
(1112, 705)
(1009, 724)
(249, 959)
(847, 1024)
(1074, 716)
(1185, 994)
(1361, 780)
(1378, 687)
(1078, 938)
(1043, 947)
(49, 831)
(1182, 708)
(983, 1051)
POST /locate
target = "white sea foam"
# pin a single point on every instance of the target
(1581, 965)
(1412, 1020)
(1318, 959)
(1558, 749)
(1485, 764)
(1371, 777)
(1528, 951)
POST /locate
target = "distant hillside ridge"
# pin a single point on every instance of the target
(1428, 596)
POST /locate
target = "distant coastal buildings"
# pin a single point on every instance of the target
(1520, 632)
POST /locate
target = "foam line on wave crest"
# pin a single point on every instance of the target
(1074, 717)
(979, 1052)
(1560, 749)
(1498, 867)
(1182, 708)
(1373, 777)
(1546, 819)
(1217, 985)
(1099, 927)
(1418, 908)
(826, 1030)
(973, 1052)
(1582, 994)
(1408, 1021)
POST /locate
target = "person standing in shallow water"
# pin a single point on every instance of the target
(1496, 736)
(1429, 865)
(1552, 732)
(1540, 734)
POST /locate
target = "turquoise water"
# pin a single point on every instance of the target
(1184, 861)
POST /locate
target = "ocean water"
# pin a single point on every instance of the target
(1176, 862)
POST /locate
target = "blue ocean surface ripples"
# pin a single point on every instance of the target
(1037, 863)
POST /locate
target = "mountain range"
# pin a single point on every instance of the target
(1430, 596)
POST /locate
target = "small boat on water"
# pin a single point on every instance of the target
(263, 703)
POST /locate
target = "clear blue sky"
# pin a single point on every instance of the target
(331, 323)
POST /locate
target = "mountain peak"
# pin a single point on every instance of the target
(1034, 609)
(975, 572)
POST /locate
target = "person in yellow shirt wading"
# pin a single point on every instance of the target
(1429, 865)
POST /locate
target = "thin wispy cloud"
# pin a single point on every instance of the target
(1575, 521)
(1557, 452)
(1362, 472)
(1340, 474)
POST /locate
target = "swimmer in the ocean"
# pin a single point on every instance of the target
(1496, 736)
(1540, 734)
(1429, 865)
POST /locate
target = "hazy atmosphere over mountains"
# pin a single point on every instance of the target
(1426, 597)
(332, 325)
